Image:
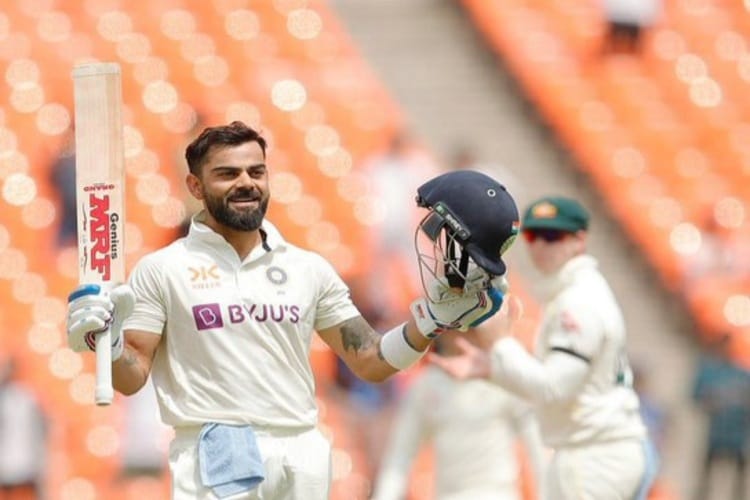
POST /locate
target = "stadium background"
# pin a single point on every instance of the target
(656, 145)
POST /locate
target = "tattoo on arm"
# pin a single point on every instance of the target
(357, 335)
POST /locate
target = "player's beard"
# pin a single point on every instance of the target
(240, 220)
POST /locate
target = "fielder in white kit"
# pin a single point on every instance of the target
(579, 378)
(223, 318)
(473, 427)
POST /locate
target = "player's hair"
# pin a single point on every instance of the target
(224, 135)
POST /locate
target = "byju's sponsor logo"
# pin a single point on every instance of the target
(207, 316)
(260, 313)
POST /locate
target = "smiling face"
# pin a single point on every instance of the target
(233, 185)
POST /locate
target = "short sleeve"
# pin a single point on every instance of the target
(576, 328)
(149, 313)
(334, 299)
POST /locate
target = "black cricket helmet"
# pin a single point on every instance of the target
(472, 222)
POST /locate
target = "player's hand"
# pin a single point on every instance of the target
(94, 308)
(470, 362)
(449, 309)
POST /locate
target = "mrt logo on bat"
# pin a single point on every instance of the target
(102, 234)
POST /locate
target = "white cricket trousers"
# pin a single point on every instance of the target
(297, 466)
(612, 471)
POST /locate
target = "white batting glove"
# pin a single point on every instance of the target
(478, 279)
(94, 308)
(453, 310)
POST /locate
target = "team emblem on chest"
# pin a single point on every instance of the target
(276, 275)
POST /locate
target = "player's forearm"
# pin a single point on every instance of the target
(418, 341)
(372, 356)
(399, 349)
(557, 379)
(129, 372)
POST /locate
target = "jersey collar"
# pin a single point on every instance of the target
(550, 286)
(271, 236)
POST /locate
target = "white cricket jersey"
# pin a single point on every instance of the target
(237, 333)
(581, 319)
(473, 427)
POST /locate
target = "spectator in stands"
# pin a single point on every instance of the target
(713, 258)
(62, 176)
(23, 437)
(464, 157)
(394, 176)
(626, 22)
(473, 427)
(579, 378)
(146, 438)
(722, 390)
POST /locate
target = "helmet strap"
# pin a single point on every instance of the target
(456, 277)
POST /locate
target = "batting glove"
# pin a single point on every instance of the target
(452, 310)
(478, 279)
(92, 309)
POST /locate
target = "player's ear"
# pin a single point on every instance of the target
(580, 241)
(194, 186)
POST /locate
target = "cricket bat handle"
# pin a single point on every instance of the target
(104, 393)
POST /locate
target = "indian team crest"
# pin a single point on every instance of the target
(276, 275)
(514, 229)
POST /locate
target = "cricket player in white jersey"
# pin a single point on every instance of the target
(222, 320)
(473, 426)
(579, 380)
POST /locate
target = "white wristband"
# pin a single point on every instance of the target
(396, 351)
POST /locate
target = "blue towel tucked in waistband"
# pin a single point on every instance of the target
(229, 459)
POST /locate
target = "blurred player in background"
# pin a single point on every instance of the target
(473, 427)
(62, 175)
(223, 320)
(579, 381)
(23, 437)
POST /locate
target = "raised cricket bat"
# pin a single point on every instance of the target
(100, 186)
